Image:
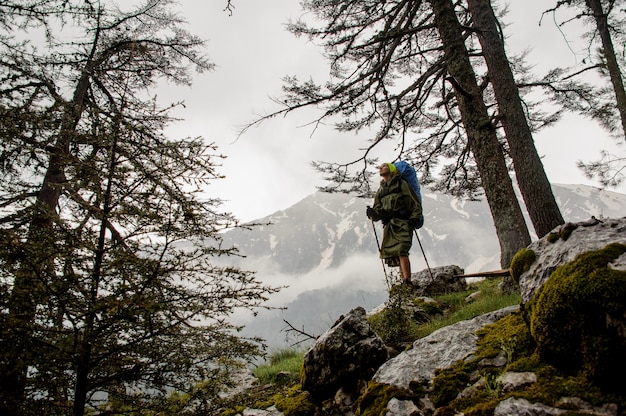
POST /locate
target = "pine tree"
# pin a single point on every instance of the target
(390, 72)
(533, 182)
(110, 295)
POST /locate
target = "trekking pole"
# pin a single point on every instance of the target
(381, 260)
(425, 259)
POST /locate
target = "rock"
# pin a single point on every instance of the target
(499, 361)
(473, 297)
(580, 406)
(513, 380)
(242, 379)
(564, 243)
(440, 349)
(397, 407)
(471, 390)
(522, 407)
(343, 357)
(270, 411)
(571, 405)
(283, 376)
(577, 315)
(443, 280)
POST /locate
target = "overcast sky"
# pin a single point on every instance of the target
(268, 168)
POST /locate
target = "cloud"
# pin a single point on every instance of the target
(268, 168)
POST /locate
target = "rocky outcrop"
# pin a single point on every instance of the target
(344, 357)
(440, 349)
(564, 243)
(349, 354)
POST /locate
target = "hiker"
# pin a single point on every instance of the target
(400, 211)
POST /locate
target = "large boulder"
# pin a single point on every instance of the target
(573, 285)
(562, 245)
(440, 349)
(344, 357)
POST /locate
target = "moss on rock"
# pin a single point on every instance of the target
(375, 399)
(571, 312)
(562, 233)
(521, 263)
(294, 402)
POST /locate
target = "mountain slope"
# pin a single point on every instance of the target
(325, 251)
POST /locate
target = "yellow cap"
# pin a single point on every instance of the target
(392, 168)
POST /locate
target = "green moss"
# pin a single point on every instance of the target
(449, 382)
(521, 263)
(566, 230)
(563, 233)
(294, 402)
(431, 308)
(233, 411)
(374, 401)
(553, 238)
(509, 335)
(568, 316)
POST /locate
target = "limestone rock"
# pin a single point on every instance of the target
(443, 280)
(342, 357)
(397, 407)
(270, 411)
(440, 349)
(571, 405)
(568, 241)
(514, 380)
(522, 407)
(582, 407)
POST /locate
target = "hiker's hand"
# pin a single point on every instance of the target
(416, 223)
(371, 213)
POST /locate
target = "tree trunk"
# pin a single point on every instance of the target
(82, 374)
(531, 177)
(29, 282)
(507, 216)
(609, 54)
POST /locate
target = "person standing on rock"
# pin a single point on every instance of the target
(399, 209)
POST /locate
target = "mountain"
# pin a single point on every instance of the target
(324, 250)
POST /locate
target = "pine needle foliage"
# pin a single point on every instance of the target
(111, 295)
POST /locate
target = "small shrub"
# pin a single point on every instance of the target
(394, 325)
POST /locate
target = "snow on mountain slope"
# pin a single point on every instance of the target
(325, 250)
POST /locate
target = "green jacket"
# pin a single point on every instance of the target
(396, 199)
(396, 203)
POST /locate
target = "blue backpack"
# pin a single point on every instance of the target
(409, 175)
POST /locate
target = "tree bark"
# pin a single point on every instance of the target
(507, 216)
(28, 286)
(534, 186)
(608, 51)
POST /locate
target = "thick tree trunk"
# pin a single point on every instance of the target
(28, 287)
(507, 216)
(608, 51)
(531, 177)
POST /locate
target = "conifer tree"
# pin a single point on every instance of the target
(390, 71)
(107, 240)
(607, 19)
(533, 182)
